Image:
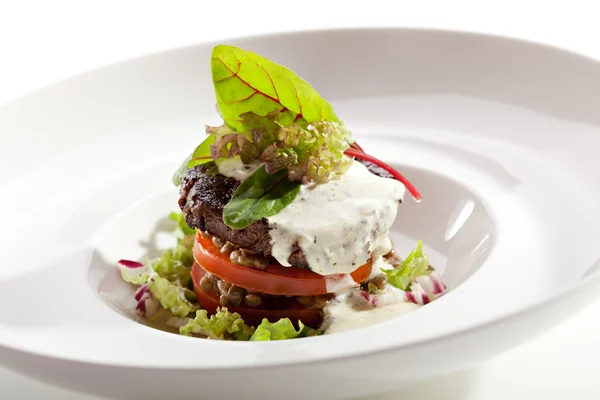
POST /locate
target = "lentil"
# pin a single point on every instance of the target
(393, 258)
(205, 234)
(224, 301)
(261, 263)
(248, 259)
(218, 242)
(306, 300)
(252, 299)
(228, 247)
(223, 286)
(379, 282)
(235, 294)
(237, 258)
(206, 284)
(320, 301)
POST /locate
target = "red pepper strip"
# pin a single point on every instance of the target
(351, 152)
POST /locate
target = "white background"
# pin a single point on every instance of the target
(43, 42)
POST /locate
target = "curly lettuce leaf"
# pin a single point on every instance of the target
(174, 265)
(166, 279)
(136, 276)
(280, 330)
(246, 82)
(310, 153)
(170, 296)
(415, 264)
(222, 325)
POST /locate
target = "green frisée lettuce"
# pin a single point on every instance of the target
(223, 325)
(226, 325)
(171, 296)
(280, 330)
(174, 264)
(416, 264)
(136, 276)
(311, 152)
(167, 277)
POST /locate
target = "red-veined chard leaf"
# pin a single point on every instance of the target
(246, 82)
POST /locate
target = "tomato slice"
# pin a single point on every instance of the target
(275, 279)
(254, 315)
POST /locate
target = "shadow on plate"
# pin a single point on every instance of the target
(50, 295)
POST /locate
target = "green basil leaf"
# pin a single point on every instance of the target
(260, 195)
(246, 82)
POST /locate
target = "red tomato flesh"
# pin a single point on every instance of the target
(275, 279)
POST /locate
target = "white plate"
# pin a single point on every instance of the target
(499, 135)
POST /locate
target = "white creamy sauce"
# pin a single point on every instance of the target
(352, 308)
(379, 263)
(339, 224)
(384, 245)
(335, 283)
(235, 168)
(342, 315)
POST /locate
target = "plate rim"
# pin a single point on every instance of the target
(582, 286)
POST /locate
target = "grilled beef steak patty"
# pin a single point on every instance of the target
(204, 192)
